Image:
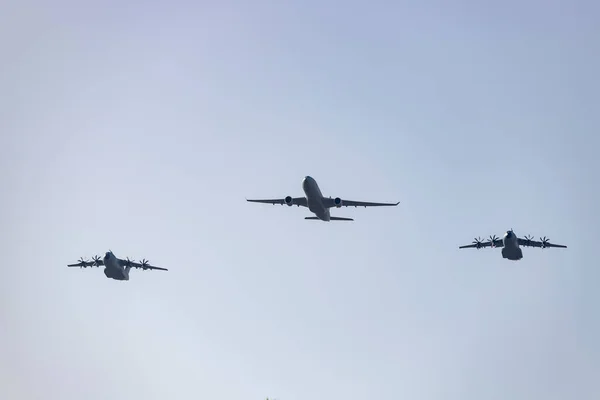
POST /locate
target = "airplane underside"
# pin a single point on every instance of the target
(322, 213)
(512, 253)
(114, 274)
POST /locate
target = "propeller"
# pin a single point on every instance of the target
(82, 262)
(478, 243)
(528, 239)
(544, 241)
(128, 262)
(492, 240)
(96, 259)
(145, 263)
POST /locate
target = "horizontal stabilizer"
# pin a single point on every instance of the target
(332, 218)
(341, 219)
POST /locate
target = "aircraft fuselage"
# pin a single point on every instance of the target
(314, 199)
(113, 269)
(511, 249)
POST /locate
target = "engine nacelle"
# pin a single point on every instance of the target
(289, 200)
(337, 202)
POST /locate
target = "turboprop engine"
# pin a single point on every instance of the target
(289, 200)
(337, 202)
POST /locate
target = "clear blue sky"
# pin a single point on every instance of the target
(141, 127)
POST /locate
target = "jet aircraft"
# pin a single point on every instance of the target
(318, 204)
(510, 244)
(114, 267)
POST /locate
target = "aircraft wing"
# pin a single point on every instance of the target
(534, 243)
(143, 265)
(296, 201)
(84, 264)
(478, 244)
(330, 203)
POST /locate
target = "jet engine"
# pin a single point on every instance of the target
(337, 202)
(289, 200)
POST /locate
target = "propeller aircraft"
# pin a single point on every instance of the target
(510, 244)
(114, 267)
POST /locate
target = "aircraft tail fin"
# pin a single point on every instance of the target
(331, 218)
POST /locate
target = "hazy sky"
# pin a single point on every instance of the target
(141, 127)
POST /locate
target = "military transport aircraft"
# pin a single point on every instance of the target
(318, 204)
(114, 267)
(510, 243)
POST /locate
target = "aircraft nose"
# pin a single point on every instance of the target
(305, 181)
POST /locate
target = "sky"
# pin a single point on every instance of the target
(141, 127)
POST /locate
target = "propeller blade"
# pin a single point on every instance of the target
(96, 260)
(477, 242)
(492, 239)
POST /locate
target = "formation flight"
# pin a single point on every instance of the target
(510, 244)
(318, 204)
(114, 267)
